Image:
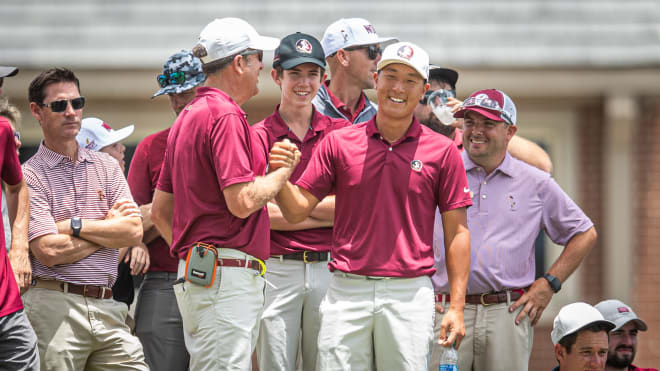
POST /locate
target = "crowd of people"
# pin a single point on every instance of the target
(336, 234)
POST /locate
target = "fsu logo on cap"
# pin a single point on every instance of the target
(623, 310)
(303, 46)
(369, 28)
(405, 52)
(106, 126)
(416, 165)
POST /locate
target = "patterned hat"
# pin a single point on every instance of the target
(181, 71)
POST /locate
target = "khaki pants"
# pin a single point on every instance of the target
(81, 333)
(492, 340)
(387, 323)
(221, 322)
(291, 314)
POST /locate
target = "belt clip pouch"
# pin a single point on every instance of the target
(201, 264)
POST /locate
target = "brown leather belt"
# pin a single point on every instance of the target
(98, 292)
(306, 256)
(240, 263)
(485, 299)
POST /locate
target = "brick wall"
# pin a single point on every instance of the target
(646, 300)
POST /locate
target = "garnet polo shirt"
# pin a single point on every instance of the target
(10, 171)
(386, 196)
(211, 147)
(142, 178)
(511, 206)
(60, 190)
(274, 129)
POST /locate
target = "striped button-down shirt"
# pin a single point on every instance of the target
(60, 190)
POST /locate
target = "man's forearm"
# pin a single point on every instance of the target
(279, 223)
(114, 233)
(243, 199)
(54, 249)
(162, 213)
(575, 251)
(457, 257)
(325, 210)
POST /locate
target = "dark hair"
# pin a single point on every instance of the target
(52, 76)
(279, 70)
(568, 340)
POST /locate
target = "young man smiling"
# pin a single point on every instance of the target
(297, 267)
(389, 175)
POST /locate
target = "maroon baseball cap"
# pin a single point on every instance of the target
(492, 103)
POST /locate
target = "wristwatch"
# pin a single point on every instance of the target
(554, 282)
(76, 225)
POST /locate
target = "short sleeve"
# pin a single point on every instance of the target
(452, 191)
(562, 217)
(319, 176)
(11, 167)
(41, 216)
(165, 178)
(231, 149)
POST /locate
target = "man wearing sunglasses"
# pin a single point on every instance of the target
(214, 167)
(379, 306)
(352, 50)
(157, 317)
(512, 202)
(82, 213)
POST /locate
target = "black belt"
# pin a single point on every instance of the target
(306, 256)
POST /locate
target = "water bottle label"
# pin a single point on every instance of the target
(448, 368)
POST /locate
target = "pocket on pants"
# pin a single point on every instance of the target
(189, 317)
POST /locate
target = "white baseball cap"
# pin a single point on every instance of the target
(229, 36)
(619, 313)
(574, 317)
(408, 54)
(348, 32)
(95, 134)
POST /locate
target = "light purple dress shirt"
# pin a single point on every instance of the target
(510, 207)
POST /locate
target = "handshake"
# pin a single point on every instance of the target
(284, 154)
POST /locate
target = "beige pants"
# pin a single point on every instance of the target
(492, 340)
(291, 314)
(221, 322)
(387, 323)
(81, 333)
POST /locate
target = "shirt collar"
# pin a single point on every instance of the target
(207, 91)
(343, 107)
(52, 158)
(279, 128)
(414, 130)
(507, 167)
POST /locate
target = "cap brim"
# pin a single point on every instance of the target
(493, 115)
(384, 63)
(380, 40)
(119, 135)
(7, 71)
(446, 73)
(289, 64)
(641, 325)
(265, 43)
(175, 89)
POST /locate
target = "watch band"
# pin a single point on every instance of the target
(76, 226)
(555, 283)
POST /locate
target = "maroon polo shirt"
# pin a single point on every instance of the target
(342, 107)
(142, 179)
(386, 196)
(274, 129)
(211, 147)
(10, 171)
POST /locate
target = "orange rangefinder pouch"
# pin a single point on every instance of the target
(201, 264)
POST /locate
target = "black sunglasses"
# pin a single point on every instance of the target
(60, 105)
(259, 53)
(173, 78)
(373, 50)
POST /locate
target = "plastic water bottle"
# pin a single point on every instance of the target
(448, 359)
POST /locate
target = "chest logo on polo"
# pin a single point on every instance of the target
(101, 194)
(512, 202)
(416, 165)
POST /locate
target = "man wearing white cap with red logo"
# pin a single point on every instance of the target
(214, 167)
(513, 201)
(579, 333)
(623, 337)
(96, 135)
(352, 50)
(379, 306)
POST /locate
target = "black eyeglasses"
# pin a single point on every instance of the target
(373, 50)
(259, 53)
(173, 78)
(60, 105)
